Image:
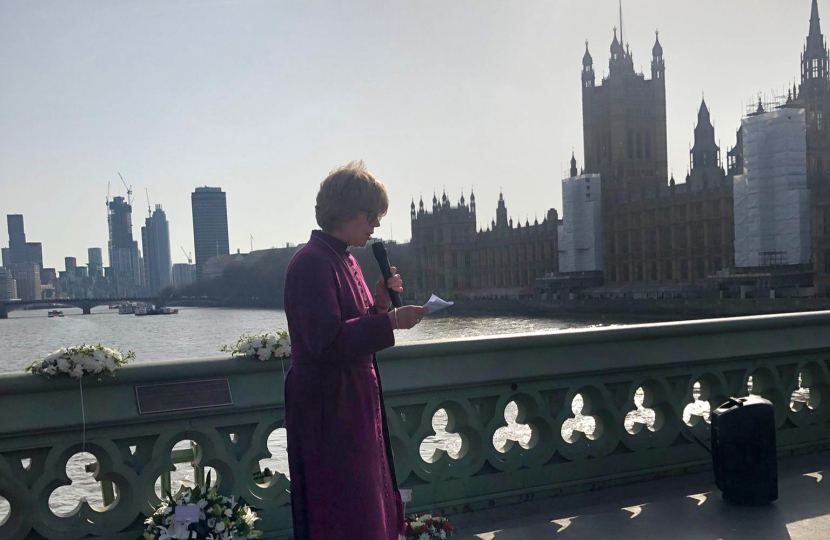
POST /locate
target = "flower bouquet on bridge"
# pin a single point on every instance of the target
(428, 527)
(81, 360)
(200, 513)
(264, 346)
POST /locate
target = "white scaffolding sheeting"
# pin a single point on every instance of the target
(580, 236)
(771, 198)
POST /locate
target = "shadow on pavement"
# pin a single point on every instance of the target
(682, 508)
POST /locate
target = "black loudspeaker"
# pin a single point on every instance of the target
(744, 452)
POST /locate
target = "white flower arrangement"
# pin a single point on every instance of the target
(428, 527)
(264, 346)
(81, 360)
(219, 517)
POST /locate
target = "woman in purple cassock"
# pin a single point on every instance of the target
(343, 484)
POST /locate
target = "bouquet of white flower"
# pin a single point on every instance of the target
(200, 513)
(428, 527)
(80, 360)
(265, 346)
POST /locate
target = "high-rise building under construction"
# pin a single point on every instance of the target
(123, 250)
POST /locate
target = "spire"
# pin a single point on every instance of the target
(815, 63)
(703, 114)
(705, 153)
(573, 166)
(620, 61)
(657, 50)
(616, 46)
(815, 25)
(587, 69)
(621, 23)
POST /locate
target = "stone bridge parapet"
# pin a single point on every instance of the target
(475, 423)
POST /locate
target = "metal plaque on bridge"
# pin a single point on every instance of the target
(182, 396)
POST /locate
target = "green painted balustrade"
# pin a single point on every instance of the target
(585, 409)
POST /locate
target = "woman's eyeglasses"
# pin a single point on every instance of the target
(371, 217)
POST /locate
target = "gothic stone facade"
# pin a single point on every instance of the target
(814, 95)
(453, 260)
(654, 232)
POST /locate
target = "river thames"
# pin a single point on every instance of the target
(201, 332)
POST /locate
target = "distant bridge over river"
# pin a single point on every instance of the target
(86, 304)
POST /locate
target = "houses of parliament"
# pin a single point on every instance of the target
(655, 232)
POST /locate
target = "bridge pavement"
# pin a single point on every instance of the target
(679, 508)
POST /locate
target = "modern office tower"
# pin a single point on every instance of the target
(123, 250)
(17, 239)
(8, 285)
(28, 280)
(48, 276)
(6, 260)
(183, 275)
(81, 272)
(95, 262)
(210, 224)
(70, 264)
(155, 239)
(34, 253)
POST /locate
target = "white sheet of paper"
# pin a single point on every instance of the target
(435, 304)
(186, 514)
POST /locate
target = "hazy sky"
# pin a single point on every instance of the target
(264, 97)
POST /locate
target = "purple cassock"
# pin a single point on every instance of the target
(343, 482)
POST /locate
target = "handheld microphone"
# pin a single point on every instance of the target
(379, 251)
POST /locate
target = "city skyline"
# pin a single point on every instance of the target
(434, 96)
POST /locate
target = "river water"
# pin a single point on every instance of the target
(201, 332)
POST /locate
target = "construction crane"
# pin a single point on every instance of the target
(186, 254)
(149, 212)
(129, 190)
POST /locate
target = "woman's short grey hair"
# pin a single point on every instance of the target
(345, 192)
